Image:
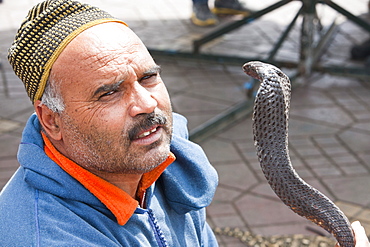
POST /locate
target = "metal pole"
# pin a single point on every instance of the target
(234, 25)
(283, 37)
(307, 37)
(360, 22)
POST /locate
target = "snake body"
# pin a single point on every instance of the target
(270, 128)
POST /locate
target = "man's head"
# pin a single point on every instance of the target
(106, 106)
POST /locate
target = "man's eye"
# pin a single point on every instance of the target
(108, 93)
(148, 79)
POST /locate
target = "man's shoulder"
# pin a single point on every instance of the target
(32, 217)
(16, 192)
(17, 212)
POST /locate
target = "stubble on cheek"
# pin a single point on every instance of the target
(97, 148)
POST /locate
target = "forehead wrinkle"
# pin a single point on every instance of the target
(104, 58)
(94, 49)
(105, 69)
(122, 46)
(95, 55)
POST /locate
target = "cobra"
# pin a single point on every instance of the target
(270, 129)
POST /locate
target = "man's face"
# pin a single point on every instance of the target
(117, 115)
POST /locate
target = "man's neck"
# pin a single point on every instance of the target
(126, 182)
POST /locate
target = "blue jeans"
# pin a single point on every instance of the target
(200, 1)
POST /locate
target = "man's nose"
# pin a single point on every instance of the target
(142, 101)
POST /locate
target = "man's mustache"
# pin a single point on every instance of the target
(146, 122)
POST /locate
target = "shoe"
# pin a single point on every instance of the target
(230, 7)
(361, 52)
(202, 15)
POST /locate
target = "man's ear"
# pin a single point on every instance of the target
(49, 120)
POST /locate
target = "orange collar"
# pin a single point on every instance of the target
(116, 200)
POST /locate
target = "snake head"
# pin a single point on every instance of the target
(259, 70)
(251, 69)
(271, 77)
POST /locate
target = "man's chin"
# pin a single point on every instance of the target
(148, 160)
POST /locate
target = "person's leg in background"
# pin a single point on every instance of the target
(203, 16)
(230, 7)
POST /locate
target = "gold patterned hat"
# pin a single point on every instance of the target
(46, 31)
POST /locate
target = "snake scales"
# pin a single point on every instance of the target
(270, 127)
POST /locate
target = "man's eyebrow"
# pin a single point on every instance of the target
(154, 70)
(108, 87)
(114, 86)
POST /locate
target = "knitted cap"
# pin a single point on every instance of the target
(46, 31)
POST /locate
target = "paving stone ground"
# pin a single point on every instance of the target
(330, 115)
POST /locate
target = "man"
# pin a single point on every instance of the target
(103, 162)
